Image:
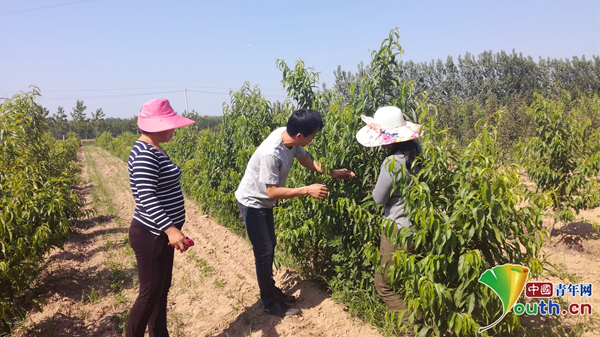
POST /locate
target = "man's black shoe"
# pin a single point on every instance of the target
(288, 298)
(280, 309)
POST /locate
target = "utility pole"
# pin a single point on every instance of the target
(186, 105)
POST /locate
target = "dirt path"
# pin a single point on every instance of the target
(91, 284)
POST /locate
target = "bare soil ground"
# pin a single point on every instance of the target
(90, 285)
(574, 250)
(214, 291)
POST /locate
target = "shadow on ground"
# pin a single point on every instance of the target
(574, 234)
(254, 319)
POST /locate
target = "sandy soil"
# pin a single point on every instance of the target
(574, 250)
(214, 290)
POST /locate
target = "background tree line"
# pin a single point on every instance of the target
(93, 126)
(491, 76)
(463, 91)
(472, 88)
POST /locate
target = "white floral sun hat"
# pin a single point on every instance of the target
(387, 126)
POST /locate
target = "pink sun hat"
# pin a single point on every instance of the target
(157, 115)
(387, 126)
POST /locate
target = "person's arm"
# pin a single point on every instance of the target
(317, 191)
(269, 175)
(312, 165)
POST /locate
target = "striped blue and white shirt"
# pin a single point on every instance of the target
(154, 181)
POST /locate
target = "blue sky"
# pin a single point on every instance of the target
(116, 54)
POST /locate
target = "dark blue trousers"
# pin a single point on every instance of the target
(261, 232)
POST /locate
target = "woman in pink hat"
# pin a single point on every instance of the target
(155, 231)
(388, 128)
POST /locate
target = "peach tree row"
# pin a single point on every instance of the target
(37, 199)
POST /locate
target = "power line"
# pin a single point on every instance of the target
(146, 88)
(21, 3)
(120, 89)
(38, 8)
(219, 93)
(45, 98)
(123, 95)
(262, 89)
(210, 92)
(106, 96)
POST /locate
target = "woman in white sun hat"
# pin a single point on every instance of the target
(155, 231)
(388, 128)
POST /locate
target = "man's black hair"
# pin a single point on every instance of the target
(304, 121)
